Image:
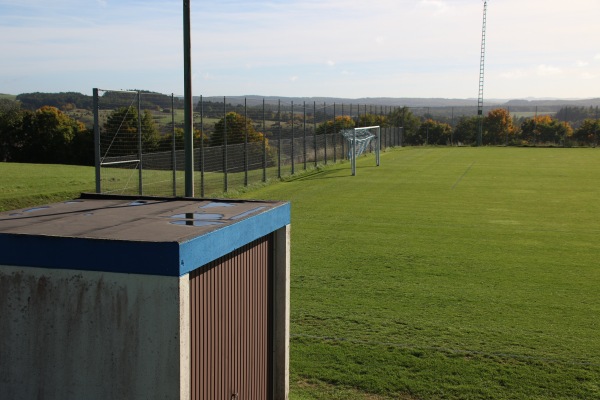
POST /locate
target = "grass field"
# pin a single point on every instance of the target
(445, 273)
(24, 185)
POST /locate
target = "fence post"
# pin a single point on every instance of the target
(225, 188)
(173, 146)
(140, 164)
(342, 139)
(304, 136)
(264, 143)
(324, 133)
(334, 141)
(315, 131)
(401, 136)
(292, 117)
(279, 139)
(245, 143)
(201, 146)
(97, 140)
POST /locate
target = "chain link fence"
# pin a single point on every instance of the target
(140, 144)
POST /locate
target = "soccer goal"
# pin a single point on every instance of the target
(359, 140)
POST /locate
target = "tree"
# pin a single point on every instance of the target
(237, 127)
(498, 126)
(545, 129)
(47, 136)
(166, 141)
(11, 132)
(372, 120)
(34, 101)
(403, 117)
(123, 125)
(466, 130)
(433, 132)
(82, 148)
(340, 123)
(588, 132)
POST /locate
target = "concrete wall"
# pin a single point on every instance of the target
(281, 314)
(68, 334)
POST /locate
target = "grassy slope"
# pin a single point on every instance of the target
(24, 185)
(447, 273)
(7, 96)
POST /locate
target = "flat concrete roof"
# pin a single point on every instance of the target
(121, 230)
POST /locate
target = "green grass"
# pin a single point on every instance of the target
(445, 273)
(530, 114)
(24, 185)
(7, 96)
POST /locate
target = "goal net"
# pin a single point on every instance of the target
(361, 139)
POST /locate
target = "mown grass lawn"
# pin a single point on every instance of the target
(447, 273)
(24, 185)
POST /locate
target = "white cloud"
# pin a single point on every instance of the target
(438, 6)
(514, 74)
(548, 70)
(587, 76)
(597, 56)
(330, 63)
(582, 64)
(294, 78)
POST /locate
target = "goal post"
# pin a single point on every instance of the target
(359, 140)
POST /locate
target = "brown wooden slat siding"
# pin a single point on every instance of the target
(231, 336)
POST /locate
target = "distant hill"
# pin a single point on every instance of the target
(554, 102)
(380, 101)
(77, 100)
(407, 101)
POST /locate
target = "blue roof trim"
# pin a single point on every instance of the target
(204, 249)
(147, 258)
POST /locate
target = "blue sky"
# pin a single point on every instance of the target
(335, 48)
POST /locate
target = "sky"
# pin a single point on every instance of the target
(304, 48)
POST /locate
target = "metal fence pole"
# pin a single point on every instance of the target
(315, 131)
(225, 186)
(343, 141)
(97, 141)
(304, 136)
(334, 134)
(401, 136)
(292, 117)
(173, 146)
(325, 133)
(353, 152)
(245, 142)
(378, 148)
(264, 140)
(201, 146)
(140, 163)
(279, 139)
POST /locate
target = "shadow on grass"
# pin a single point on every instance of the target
(321, 174)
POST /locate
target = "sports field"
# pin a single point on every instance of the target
(447, 273)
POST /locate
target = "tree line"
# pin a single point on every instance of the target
(48, 135)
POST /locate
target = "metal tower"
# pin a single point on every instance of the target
(481, 71)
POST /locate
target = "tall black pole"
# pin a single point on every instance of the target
(188, 111)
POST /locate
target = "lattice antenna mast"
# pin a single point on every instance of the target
(481, 74)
